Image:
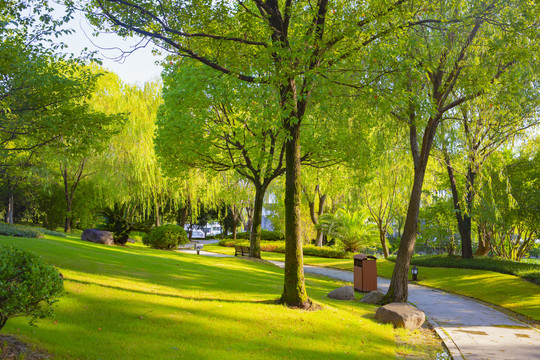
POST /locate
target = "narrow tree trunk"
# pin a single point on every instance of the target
(466, 242)
(158, 219)
(67, 223)
(294, 292)
(9, 214)
(484, 240)
(382, 236)
(255, 234)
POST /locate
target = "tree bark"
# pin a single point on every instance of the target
(398, 290)
(158, 219)
(463, 219)
(255, 234)
(294, 291)
(315, 217)
(9, 214)
(382, 236)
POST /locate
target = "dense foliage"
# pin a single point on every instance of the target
(28, 285)
(529, 271)
(118, 219)
(26, 231)
(166, 237)
(266, 235)
(279, 247)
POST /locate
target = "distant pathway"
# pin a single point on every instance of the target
(469, 329)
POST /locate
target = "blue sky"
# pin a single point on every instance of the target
(137, 68)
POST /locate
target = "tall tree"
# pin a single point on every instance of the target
(483, 126)
(457, 53)
(288, 47)
(204, 122)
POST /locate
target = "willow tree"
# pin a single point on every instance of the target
(288, 47)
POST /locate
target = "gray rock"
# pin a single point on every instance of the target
(97, 236)
(131, 241)
(373, 297)
(401, 315)
(342, 293)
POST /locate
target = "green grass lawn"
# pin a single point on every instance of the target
(507, 291)
(138, 303)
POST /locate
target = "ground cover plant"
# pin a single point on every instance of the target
(526, 270)
(279, 246)
(133, 302)
(506, 291)
(26, 231)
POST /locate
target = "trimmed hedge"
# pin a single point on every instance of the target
(265, 235)
(166, 237)
(279, 247)
(26, 231)
(525, 270)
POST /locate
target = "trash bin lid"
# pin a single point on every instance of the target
(364, 257)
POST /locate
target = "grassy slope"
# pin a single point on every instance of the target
(507, 291)
(136, 303)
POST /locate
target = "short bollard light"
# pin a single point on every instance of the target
(414, 272)
(198, 247)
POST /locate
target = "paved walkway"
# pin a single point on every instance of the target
(469, 329)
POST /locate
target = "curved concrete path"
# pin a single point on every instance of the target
(469, 329)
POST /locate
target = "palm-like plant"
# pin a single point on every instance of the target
(351, 229)
(118, 220)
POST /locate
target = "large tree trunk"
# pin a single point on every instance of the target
(294, 291)
(255, 234)
(398, 290)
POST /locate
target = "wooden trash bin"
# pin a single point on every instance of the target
(365, 272)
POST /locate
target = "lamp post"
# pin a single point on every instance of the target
(414, 272)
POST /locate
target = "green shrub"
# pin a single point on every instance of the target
(28, 285)
(26, 231)
(265, 235)
(119, 220)
(279, 247)
(529, 271)
(166, 237)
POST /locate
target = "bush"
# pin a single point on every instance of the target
(28, 285)
(166, 237)
(26, 231)
(279, 247)
(265, 235)
(529, 271)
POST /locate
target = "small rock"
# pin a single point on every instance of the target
(373, 297)
(342, 293)
(97, 236)
(401, 315)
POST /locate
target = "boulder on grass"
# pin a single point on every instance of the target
(97, 236)
(401, 315)
(342, 293)
(373, 297)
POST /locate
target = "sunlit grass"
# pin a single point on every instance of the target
(138, 303)
(507, 291)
